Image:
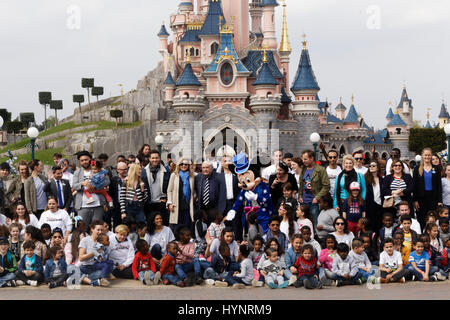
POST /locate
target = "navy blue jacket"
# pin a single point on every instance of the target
(50, 267)
(217, 191)
(38, 264)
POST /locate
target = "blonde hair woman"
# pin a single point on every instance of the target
(180, 194)
(344, 179)
(133, 196)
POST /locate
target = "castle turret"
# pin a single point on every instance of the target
(285, 48)
(210, 31)
(390, 115)
(270, 39)
(405, 108)
(186, 6)
(239, 10)
(340, 110)
(352, 119)
(256, 13)
(169, 89)
(397, 125)
(305, 106)
(163, 39)
(443, 116)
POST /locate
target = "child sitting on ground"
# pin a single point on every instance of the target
(46, 231)
(400, 247)
(304, 218)
(220, 267)
(409, 235)
(435, 240)
(369, 248)
(254, 230)
(362, 261)
(435, 257)
(185, 259)
(292, 254)
(391, 264)
(307, 239)
(8, 265)
(143, 267)
(307, 269)
(345, 270)
(141, 233)
(217, 224)
(388, 229)
(55, 273)
(419, 264)
(101, 256)
(445, 253)
(273, 270)
(167, 270)
(244, 278)
(256, 254)
(328, 254)
(98, 181)
(443, 229)
(31, 271)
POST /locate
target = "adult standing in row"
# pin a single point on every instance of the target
(180, 195)
(314, 184)
(277, 157)
(427, 186)
(210, 189)
(396, 155)
(374, 196)
(35, 197)
(359, 162)
(59, 189)
(117, 183)
(82, 180)
(156, 180)
(398, 184)
(16, 190)
(333, 169)
(446, 187)
(343, 181)
(276, 182)
(230, 182)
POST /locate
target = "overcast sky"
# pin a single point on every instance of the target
(361, 47)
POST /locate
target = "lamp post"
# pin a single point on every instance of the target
(447, 132)
(32, 134)
(159, 140)
(418, 158)
(315, 138)
(1, 126)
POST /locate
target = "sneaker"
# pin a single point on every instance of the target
(359, 282)
(147, 279)
(298, 283)
(326, 282)
(283, 285)
(339, 283)
(180, 284)
(256, 283)
(20, 283)
(221, 284)
(292, 280)
(433, 278)
(111, 205)
(95, 283)
(198, 280)
(440, 276)
(104, 282)
(12, 283)
(111, 277)
(320, 285)
(209, 282)
(157, 278)
(413, 278)
(188, 282)
(33, 283)
(375, 280)
(272, 285)
(308, 284)
(52, 285)
(166, 282)
(402, 280)
(238, 286)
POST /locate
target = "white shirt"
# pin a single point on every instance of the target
(121, 252)
(58, 219)
(229, 184)
(33, 222)
(346, 238)
(162, 238)
(96, 203)
(284, 227)
(267, 172)
(415, 225)
(68, 176)
(332, 175)
(392, 262)
(361, 170)
(377, 193)
(389, 164)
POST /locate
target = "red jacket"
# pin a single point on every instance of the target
(142, 263)
(306, 267)
(167, 265)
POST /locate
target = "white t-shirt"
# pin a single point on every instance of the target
(284, 227)
(267, 172)
(59, 219)
(389, 164)
(332, 175)
(377, 193)
(415, 225)
(234, 248)
(346, 238)
(361, 170)
(229, 185)
(68, 176)
(392, 262)
(96, 203)
(33, 222)
(162, 238)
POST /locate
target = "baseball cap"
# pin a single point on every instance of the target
(355, 186)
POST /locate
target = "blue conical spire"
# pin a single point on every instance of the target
(163, 32)
(265, 77)
(443, 114)
(266, 3)
(188, 77)
(390, 114)
(305, 78)
(352, 116)
(212, 21)
(169, 79)
(428, 125)
(396, 121)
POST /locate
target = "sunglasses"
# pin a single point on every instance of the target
(57, 237)
(275, 225)
(184, 164)
(331, 157)
(397, 165)
(373, 165)
(340, 223)
(358, 159)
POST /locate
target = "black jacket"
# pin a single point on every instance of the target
(114, 190)
(407, 194)
(370, 196)
(277, 192)
(52, 191)
(217, 191)
(419, 185)
(236, 190)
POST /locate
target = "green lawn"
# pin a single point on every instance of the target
(46, 156)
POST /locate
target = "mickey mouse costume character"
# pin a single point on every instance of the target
(255, 194)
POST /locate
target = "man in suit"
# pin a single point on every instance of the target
(81, 180)
(59, 189)
(210, 189)
(117, 183)
(230, 181)
(156, 180)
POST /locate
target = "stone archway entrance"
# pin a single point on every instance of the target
(225, 141)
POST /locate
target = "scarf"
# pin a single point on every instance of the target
(184, 176)
(154, 171)
(350, 176)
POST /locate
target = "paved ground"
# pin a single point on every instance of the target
(133, 290)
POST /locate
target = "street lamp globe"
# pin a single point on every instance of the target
(315, 137)
(159, 139)
(1, 121)
(418, 158)
(33, 133)
(447, 129)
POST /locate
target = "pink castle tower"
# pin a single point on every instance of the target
(270, 39)
(239, 9)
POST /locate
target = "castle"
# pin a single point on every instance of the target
(227, 88)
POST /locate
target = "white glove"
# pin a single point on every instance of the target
(230, 215)
(251, 196)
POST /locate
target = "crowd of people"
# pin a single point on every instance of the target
(332, 222)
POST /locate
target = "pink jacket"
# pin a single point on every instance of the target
(326, 258)
(186, 254)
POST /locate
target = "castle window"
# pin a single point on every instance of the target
(192, 51)
(226, 74)
(268, 94)
(197, 52)
(398, 130)
(214, 48)
(186, 94)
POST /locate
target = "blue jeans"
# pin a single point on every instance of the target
(203, 264)
(182, 269)
(311, 278)
(106, 267)
(142, 273)
(90, 272)
(210, 273)
(433, 270)
(173, 279)
(136, 210)
(365, 274)
(314, 208)
(232, 280)
(7, 277)
(352, 280)
(156, 251)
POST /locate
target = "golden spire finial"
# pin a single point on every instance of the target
(428, 113)
(265, 59)
(285, 45)
(353, 98)
(188, 55)
(304, 41)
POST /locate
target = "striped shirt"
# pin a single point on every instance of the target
(131, 194)
(398, 184)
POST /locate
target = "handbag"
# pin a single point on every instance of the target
(388, 203)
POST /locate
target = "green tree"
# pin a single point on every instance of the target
(420, 138)
(14, 127)
(26, 118)
(5, 115)
(44, 99)
(56, 105)
(116, 114)
(79, 98)
(97, 91)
